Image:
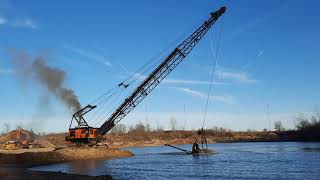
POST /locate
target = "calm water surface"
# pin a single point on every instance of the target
(233, 161)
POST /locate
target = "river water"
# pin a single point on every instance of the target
(273, 160)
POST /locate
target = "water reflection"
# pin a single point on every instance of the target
(82, 167)
(310, 149)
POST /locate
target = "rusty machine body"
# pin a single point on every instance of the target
(83, 133)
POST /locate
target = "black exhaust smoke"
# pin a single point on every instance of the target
(35, 70)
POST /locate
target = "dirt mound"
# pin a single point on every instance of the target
(43, 143)
(57, 139)
(92, 153)
(18, 135)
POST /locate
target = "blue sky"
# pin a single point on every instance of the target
(268, 55)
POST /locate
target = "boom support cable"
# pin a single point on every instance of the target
(102, 104)
(105, 110)
(215, 53)
(156, 60)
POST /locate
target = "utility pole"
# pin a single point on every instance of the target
(147, 119)
(268, 116)
(184, 113)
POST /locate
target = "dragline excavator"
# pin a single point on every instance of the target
(83, 133)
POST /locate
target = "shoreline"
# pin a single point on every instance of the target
(153, 144)
(17, 166)
(141, 145)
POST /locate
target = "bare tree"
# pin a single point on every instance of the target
(222, 130)
(182, 128)
(119, 129)
(316, 114)
(140, 127)
(302, 121)
(148, 127)
(215, 130)
(6, 128)
(314, 119)
(159, 128)
(278, 126)
(173, 123)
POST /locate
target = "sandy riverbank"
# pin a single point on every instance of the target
(14, 164)
(61, 155)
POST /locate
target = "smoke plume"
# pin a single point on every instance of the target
(35, 69)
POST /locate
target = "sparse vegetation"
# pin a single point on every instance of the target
(173, 124)
(140, 127)
(309, 127)
(278, 126)
(119, 129)
(6, 128)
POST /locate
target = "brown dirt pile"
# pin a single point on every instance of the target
(17, 135)
(61, 155)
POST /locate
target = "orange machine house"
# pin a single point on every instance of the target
(84, 134)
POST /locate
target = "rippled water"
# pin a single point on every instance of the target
(288, 160)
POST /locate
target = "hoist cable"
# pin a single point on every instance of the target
(153, 62)
(101, 96)
(212, 72)
(104, 109)
(103, 118)
(101, 105)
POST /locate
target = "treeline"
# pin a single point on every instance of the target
(140, 127)
(309, 126)
(143, 132)
(122, 128)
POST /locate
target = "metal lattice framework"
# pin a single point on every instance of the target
(78, 116)
(154, 79)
